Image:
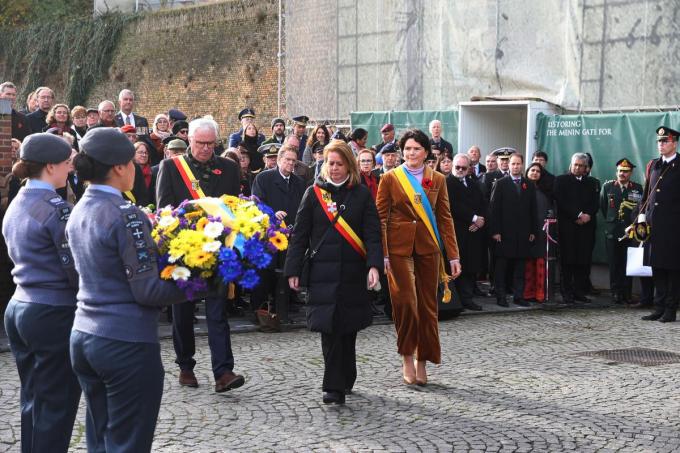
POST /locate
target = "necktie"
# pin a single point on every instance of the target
(288, 182)
(463, 181)
(127, 119)
(517, 181)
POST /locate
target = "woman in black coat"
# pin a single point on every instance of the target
(339, 301)
(534, 271)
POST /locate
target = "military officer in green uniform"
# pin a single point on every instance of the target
(618, 199)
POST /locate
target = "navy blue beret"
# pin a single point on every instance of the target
(176, 115)
(107, 145)
(45, 148)
(389, 148)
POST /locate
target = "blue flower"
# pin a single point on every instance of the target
(250, 279)
(255, 252)
(230, 267)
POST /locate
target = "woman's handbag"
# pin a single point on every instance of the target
(634, 263)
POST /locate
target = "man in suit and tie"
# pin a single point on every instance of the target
(513, 227)
(214, 176)
(474, 153)
(468, 209)
(126, 102)
(280, 189)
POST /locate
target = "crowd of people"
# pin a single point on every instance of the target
(409, 222)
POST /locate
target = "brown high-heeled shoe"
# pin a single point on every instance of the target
(408, 372)
(421, 373)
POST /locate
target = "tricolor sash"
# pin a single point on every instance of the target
(188, 177)
(345, 230)
(421, 205)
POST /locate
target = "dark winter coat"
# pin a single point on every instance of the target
(270, 187)
(467, 202)
(544, 203)
(663, 214)
(512, 213)
(339, 301)
(571, 198)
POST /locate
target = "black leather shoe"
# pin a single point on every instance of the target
(502, 303)
(652, 316)
(333, 398)
(469, 305)
(521, 302)
(478, 292)
(668, 316)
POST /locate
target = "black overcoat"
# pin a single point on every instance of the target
(512, 214)
(544, 203)
(171, 190)
(467, 202)
(339, 301)
(571, 198)
(270, 187)
(662, 196)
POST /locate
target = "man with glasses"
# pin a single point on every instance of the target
(468, 209)
(20, 127)
(660, 201)
(107, 113)
(37, 120)
(216, 176)
(577, 200)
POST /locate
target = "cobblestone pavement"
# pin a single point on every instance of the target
(508, 382)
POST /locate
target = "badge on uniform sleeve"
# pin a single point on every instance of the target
(128, 272)
(64, 213)
(65, 259)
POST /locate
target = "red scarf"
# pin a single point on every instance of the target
(371, 181)
(146, 171)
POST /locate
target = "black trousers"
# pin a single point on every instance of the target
(667, 285)
(616, 255)
(574, 280)
(340, 361)
(465, 285)
(517, 277)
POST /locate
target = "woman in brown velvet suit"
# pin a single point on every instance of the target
(413, 256)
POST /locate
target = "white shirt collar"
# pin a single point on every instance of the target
(666, 160)
(282, 175)
(132, 118)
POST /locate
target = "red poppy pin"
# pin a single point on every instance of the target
(524, 186)
(217, 171)
(427, 183)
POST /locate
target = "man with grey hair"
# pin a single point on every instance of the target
(20, 128)
(37, 120)
(576, 197)
(126, 102)
(469, 211)
(208, 175)
(436, 137)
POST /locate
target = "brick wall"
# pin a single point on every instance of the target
(213, 59)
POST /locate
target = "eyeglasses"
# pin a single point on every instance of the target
(183, 131)
(204, 144)
(459, 168)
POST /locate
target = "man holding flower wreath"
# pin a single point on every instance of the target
(198, 174)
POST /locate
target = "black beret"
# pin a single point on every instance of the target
(179, 125)
(107, 145)
(176, 115)
(45, 148)
(388, 148)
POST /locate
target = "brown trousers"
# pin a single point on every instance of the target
(413, 290)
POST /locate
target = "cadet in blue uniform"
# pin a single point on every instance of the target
(114, 343)
(39, 317)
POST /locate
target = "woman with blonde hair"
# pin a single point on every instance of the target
(337, 238)
(58, 117)
(417, 232)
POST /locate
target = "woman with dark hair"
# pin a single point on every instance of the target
(247, 175)
(142, 159)
(534, 271)
(114, 341)
(58, 117)
(346, 258)
(319, 134)
(249, 142)
(39, 317)
(358, 139)
(445, 164)
(417, 233)
(366, 160)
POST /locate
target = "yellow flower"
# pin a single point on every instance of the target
(279, 240)
(202, 222)
(193, 215)
(166, 274)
